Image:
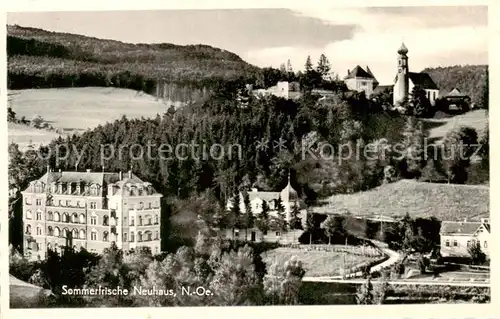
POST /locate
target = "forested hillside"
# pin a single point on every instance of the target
(41, 59)
(469, 79)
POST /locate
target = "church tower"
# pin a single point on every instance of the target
(400, 93)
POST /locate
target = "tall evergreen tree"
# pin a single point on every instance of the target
(249, 217)
(308, 65)
(323, 65)
(281, 223)
(263, 218)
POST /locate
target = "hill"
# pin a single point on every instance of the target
(444, 201)
(76, 109)
(43, 59)
(469, 79)
(438, 128)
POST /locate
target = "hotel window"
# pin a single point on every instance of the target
(74, 234)
(125, 237)
(38, 201)
(156, 249)
(27, 201)
(59, 202)
(93, 235)
(157, 235)
(93, 205)
(141, 205)
(140, 221)
(68, 203)
(93, 220)
(105, 220)
(150, 220)
(29, 215)
(50, 216)
(57, 232)
(38, 215)
(139, 236)
(132, 221)
(455, 243)
(236, 233)
(50, 231)
(74, 218)
(65, 218)
(57, 217)
(157, 220)
(149, 205)
(278, 234)
(39, 231)
(132, 236)
(82, 234)
(28, 229)
(82, 219)
(65, 233)
(105, 236)
(447, 243)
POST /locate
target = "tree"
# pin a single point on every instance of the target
(11, 115)
(37, 121)
(334, 227)
(485, 98)
(308, 66)
(310, 225)
(365, 293)
(412, 148)
(249, 217)
(234, 220)
(280, 215)
(323, 66)
(263, 218)
(476, 253)
(295, 220)
(235, 282)
(283, 282)
(420, 106)
(459, 145)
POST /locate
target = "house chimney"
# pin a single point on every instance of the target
(120, 175)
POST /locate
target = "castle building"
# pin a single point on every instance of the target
(405, 81)
(89, 210)
(361, 80)
(289, 199)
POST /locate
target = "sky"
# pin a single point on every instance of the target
(434, 36)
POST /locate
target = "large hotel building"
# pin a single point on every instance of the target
(89, 210)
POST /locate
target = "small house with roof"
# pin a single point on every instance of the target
(457, 100)
(361, 80)
(289, 198)
(458, 236)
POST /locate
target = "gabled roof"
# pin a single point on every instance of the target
(463, 228)
(455, 93)
(358, 72)
(375, 82)
(422, 80)
(267, 196)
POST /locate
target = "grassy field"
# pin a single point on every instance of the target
(76, 109)
(444, 201)
(476, 119)
(316, 263)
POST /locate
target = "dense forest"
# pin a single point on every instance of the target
(469, 79)
(43, 59)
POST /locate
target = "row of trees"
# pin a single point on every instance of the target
(233, 274)
(235, 218)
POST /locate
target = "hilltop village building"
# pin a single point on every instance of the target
(361, 80)
(89, 210)
(289, 198)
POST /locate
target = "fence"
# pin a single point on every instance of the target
(366, 251)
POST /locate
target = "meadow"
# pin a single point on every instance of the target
(71, 110)
(316, 263)
(438, 128)
(444, 201)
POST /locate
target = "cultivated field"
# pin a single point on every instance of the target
(476, 119)
(77, 109)
(316, 263)
(444, 201)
